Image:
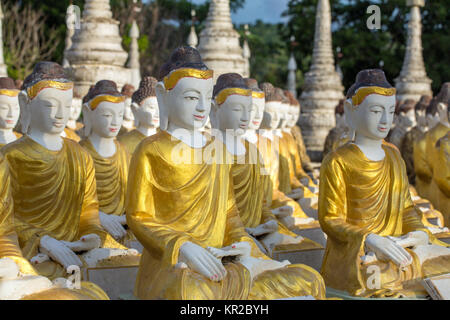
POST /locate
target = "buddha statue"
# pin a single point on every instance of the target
(405, 121)
(183, 210)
(377, 245)
(72, 127)
(232, 114)
(286, 209)
(146, 114)
(441, 177)
(9, 111)
(53, 180)
(103, 115)
(339, 134)
(416, 133)
(128, 117)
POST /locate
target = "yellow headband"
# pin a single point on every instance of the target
(171, 80)
(99, 99)
(41, 85)
(225, 93)
(9, 92)
(259, 95)
(363, 92)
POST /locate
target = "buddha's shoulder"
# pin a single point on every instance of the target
(149, 144)
(340, 155)
(15, 146)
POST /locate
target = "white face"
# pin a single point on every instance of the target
(9, 111)
(340, 120)
(128, 115)
(234, 114)
(374, 116)
(107, 119)
(407, 119)
(50, 110)
(271, 111)
(421, 118)
(76, 109)
(284, 114)
(432, 120)
(257, 113)
(294, 113)
(148, 113)
(188, 104)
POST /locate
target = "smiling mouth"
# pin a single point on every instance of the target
(58, 124)
(10, 121)
(255, 123)
(113, 130)
(199, 117)
(382, 129)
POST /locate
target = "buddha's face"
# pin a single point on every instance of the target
(271, 112)
(421, 118)
(443, 111)
(407, 119)
(432, 120)
(128, 115)
(9, 111)
(374, 116)
(107, 119)
(257, 113)
(233, 114)
(76, 109)
(49, 111)
(294, 113)
(188, 104)
(284, 115)
(340, 120)
(147, 113)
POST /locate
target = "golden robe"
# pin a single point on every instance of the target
(9, 248)
(70, 134)
(131, 140)
(180, 202)
(276, 198)
(441, 178)
(111, 175)
(304, 158)
(358, 197)
(54, 194)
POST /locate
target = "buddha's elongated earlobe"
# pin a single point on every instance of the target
(25, 114)
(87, 120)
(135, 109)
(213, 116)
(163, 112)
(348, 110)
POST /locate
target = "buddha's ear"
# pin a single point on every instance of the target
(135, 109)
(87, 114)
(161, 93)
(213, 114)
(348, 111)
(25, 112)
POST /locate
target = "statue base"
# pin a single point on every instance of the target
(306, 252)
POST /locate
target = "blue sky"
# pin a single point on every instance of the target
(267, 10)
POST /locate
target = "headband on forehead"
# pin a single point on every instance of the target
(225, 93)
(258, 95)
(363, 92)
(105, 98)
(171, 80)
(33, 90)
(9, 92)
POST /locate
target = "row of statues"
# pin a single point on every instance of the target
(209, 180)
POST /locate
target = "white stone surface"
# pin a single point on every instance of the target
(133, 62)
(291, 80)
(322, 89)
(96, 51)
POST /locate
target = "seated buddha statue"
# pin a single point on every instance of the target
(234, 108)
(9, 111)
(146, 114)
(53, 180)
(405, 121)
(377, 245)
(335, 136)
(441, 177)
(128, 117)
(181, 205)
(416, 133)
(103, 115)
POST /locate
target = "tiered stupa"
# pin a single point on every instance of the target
(96, 52)
(133, 63)
(412, 83)
(322, 89)
(192, 40)
(3, 68)
(219, 42)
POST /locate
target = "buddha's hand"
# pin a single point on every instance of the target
(307, 203)
(265, 228)
(387, 249)
(412, 239)
(237, 249)
(201, 261)
(122, 219)
(296, 194)
(59, 252)
(283, 211)
(8, 269)
(303, 221)
(39, 258)
(86, 243)
(112, 225)
(304, 181)
(313, 189)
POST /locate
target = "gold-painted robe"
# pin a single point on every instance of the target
(111, 175)
(70, 134)
(54, 194)
(277, 198)
(441, 177)
(131, 140)
(179, 202)
(358, 197)
(9, 248)
(304, 158)
(407, 151)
